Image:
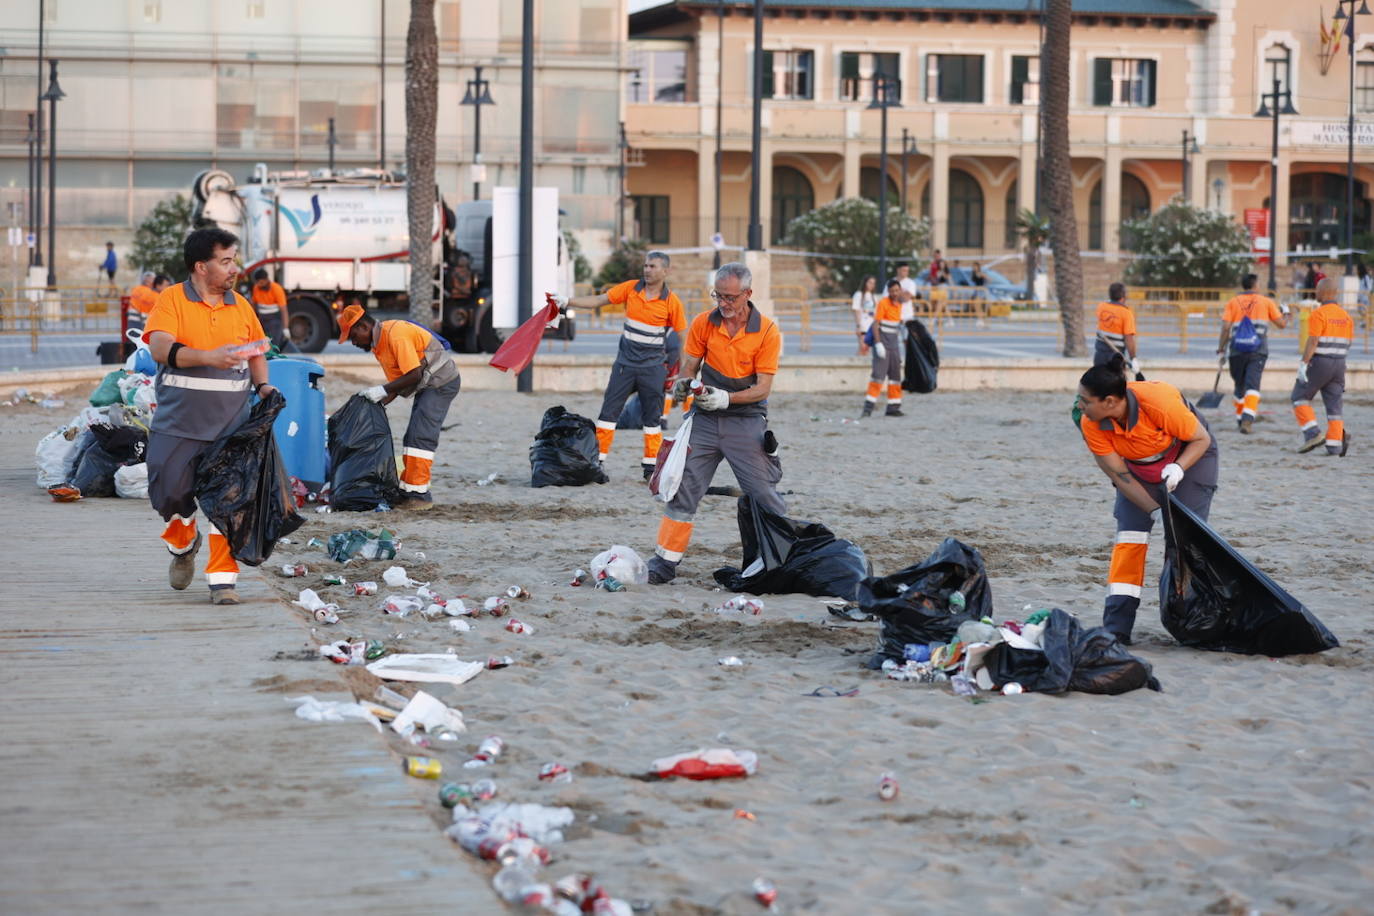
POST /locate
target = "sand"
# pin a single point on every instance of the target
(1244, 786)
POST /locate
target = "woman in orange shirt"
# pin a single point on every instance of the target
(1149, 442)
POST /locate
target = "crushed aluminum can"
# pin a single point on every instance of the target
(741, 605)
(334, 579)
(579, 577)
(516, 591)
(295, 571)
(503, 661)
(422, 767)
(610, 584)
(519, 627)
(887, 787)
(490, 748)
(327, 614)
(374, 649)
(484, 789)
(765, 892)
(363, 589)
(453, 794)
(743, 815)
(496, 606)
(555, 772)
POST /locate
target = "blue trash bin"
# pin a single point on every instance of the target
(300, 428)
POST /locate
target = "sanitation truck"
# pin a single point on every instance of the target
(331, 238)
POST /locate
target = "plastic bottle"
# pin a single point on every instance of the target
(294, 571)
(364, 588)
(388, 697)
(490, 748)
(957, 601)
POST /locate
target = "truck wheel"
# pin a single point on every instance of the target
(487, 338)
(312, 324)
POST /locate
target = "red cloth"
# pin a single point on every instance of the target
(519, 349)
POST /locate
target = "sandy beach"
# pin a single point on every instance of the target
(1245, 786)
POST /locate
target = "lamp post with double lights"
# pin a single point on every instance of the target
(478, 94)
(908, 149)
(1270, 108)
(1190, 148)
(52, 97)
(1349, 19)
(884, 87)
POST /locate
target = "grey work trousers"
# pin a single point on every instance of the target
(889, 365)
(738, 440)
(427, 415)
(625, 380)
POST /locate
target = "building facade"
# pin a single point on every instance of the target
(157, 90)
(1143, 72)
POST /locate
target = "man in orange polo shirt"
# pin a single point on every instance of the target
(270, 300)
(736, 350)
(143, 297)
(1115, 329)
(1330, 332)
(887, 350)
(416, 364)
(651, 309)
(1249, 346)
(194, 333)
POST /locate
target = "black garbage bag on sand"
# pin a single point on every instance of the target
(362, 460)
(243, 488)
(1210, 597)
(95, 470)
(783, 557)
(914, 604)
(1090, 661)
(922, 362)
(565, 453)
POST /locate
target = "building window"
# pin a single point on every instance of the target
(351, 103)
(792, 197)
(257, 9)
(965, 211)
(256, 107)
(868, 187)
(1123, 82)
(954, 78)
(152, 11)
(651, 217)
(857, 70)
(1364, 87)
(1135, 204)
(1316, 210)
(659, 72)
(1025, 80)
(788, 74)
(1278, 62)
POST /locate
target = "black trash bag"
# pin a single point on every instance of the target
(914, 605)
(565, 452)
(362, 460)
(1090, 661)
(125, 444)
(1210, 597)
(243, 488)
(922, 362)
(786, 557)
(630, 416)
(95, 470)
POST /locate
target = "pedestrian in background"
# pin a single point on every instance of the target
(1245, 324)
(864, 302)
(108, 268)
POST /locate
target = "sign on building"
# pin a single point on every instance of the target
(1330, 133)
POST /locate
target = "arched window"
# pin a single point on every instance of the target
(1013, 238)
(1135, 204)
(868, 187)
(965, 211)
(792, 197)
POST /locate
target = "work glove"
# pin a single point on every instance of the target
(1302, 373)
(682, 389)
(375, 394)
(879, 350)
(1171, 477)
(713, 399)
(1135, 366)
(1285, 310)
(557, 299)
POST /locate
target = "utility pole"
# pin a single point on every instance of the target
(1265, 111)
(756, 162)
(882, 100)
(381, 93)
(525, 381)
(720, 94)
(333, 139)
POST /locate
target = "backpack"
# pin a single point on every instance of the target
(1246, 337)
(443, 341)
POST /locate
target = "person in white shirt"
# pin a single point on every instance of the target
(865, 300)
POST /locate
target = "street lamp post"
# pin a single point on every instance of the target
(32, 140)
(1350, 130)
(37, 258)
(908, 149)
(720, 95)
(1190, 148)
(756, 163)
(478, 94)
(333, 141)
(882, 100)
(1266, 111)
(623, 145)
(52, 97)
(524, 304)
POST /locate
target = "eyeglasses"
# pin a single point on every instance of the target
(728, 300)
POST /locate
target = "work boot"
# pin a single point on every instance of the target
(1246, 422)
(64, 493)
(661, 571)
(1345, 444)
(894, 411)
(1311, 438)
(416, 502)
(224, 596)
(648, 471)
(183, 568)
(770, 443)
(868, 410)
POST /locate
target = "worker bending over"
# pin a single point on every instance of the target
(416, 364)
(1115, 329)
(1330, 331)
(1245, 323)
(735, 348)
(887, 350)
(270, 300)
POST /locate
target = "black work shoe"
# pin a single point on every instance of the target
(770, 443)
(1245, 424)
(868, 411)
(661, 571)
(894, 411)
(648, 471)
(1345, 444)
(183, 568)
(416, 503)
(1310, 444)
(224, 596)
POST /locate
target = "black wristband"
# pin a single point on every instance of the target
(172, 355)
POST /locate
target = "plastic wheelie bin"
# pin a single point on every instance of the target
(300, 428)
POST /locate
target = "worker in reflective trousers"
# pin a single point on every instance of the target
(203, 389)
(887, 351)
(1115, 329)
(1330, 331)
(1249, 346)
(735, 348)
(416, 364)
(1149, 442)
(651, 309)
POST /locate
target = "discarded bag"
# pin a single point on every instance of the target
(243, 488)
(1210, 597)
(125, 444)
(783, 556)
(917, 605)
(922, 363)
(51, 456)
(622, 564)
(95, 471)
(565, 452)
(672, 461)
(1070, 658)
(107, 392)
(362, 460)
(712, 763)
(131, 481)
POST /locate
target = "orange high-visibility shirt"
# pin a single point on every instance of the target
(888, 314)
(735, 363)
(1156, 415)
(142, 299)
(269, 301)
(1115, 321)
(1333, 328)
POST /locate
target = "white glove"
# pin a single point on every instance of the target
(1285, 310)
(1172, 476)
(1302, 373)
(557, 299)
(682, 389)
(1135, 366)
(713, 399)
(879, 350)
(374, 394)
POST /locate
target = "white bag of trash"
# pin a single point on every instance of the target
(313, 710)
(396, 577)
(131, 481)
(622, 563)
(432, 668)
(428, 713)
(52, 455)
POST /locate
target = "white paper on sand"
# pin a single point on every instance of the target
(429, 713)
(429, 668)
(313, 710)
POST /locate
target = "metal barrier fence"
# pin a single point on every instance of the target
(38, 313)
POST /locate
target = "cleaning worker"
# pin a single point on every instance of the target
(1149, 442)
(650, 310)
(203, 389)
(1115, 329)
(1330, 332)
(887, 351)
(416, 364)
(735, 348)
(1245, 323)
(143, 297)
(270, 300)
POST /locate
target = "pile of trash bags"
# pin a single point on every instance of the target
(782, 556)
(1210, 597)
(927, 602)
(565, 452)
(362, 460)
(1056, 654)
(922, 363)
(100, 452)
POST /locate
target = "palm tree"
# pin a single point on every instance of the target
(422, 110)
(1035, 230)
(1068, 270)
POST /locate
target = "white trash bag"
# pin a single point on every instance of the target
(669, 476)
(623, 563)
(53, 452)
(131, 481)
